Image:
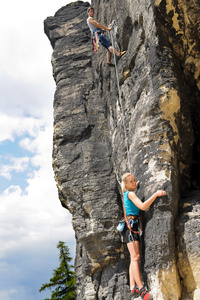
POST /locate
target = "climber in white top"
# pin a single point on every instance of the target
(103, 39)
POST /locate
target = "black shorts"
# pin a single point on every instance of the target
(132, 236)
(104, 41)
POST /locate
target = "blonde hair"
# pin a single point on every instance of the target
(124, 179)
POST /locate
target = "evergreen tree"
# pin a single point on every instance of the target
(63, 280)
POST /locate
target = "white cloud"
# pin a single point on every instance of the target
(32, 221)
(18, 126)
(16, 164)
(38, 206)
(31, 57)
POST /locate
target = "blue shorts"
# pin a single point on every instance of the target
(104, 41)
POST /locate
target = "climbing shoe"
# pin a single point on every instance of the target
(122, 53)
(145, 294)
(110, 65)
(135, 291)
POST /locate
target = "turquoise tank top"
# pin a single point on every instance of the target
(130, 207)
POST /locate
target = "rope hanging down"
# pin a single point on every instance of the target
(114, 28)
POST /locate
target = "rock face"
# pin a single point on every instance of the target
(159, 81)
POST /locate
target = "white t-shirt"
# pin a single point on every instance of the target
(92, 26)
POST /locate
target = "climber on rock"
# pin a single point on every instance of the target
(132, 206)
(98, 33)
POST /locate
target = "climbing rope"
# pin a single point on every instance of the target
(114, 27)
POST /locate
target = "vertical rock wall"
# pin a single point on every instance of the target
(159, 82)
(82, 158)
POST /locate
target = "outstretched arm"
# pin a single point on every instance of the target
(144, 205)
(91, 20)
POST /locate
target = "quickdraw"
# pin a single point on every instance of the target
(96, 39)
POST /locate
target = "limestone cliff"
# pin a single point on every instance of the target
(159, 82)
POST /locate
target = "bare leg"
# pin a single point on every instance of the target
(131, 277)
(112, 50)
(134, 269)
(108, 57)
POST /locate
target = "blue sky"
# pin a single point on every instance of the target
(32, 220)
(15, 163)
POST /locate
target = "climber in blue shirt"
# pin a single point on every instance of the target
(99, 29)
(132, 206)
